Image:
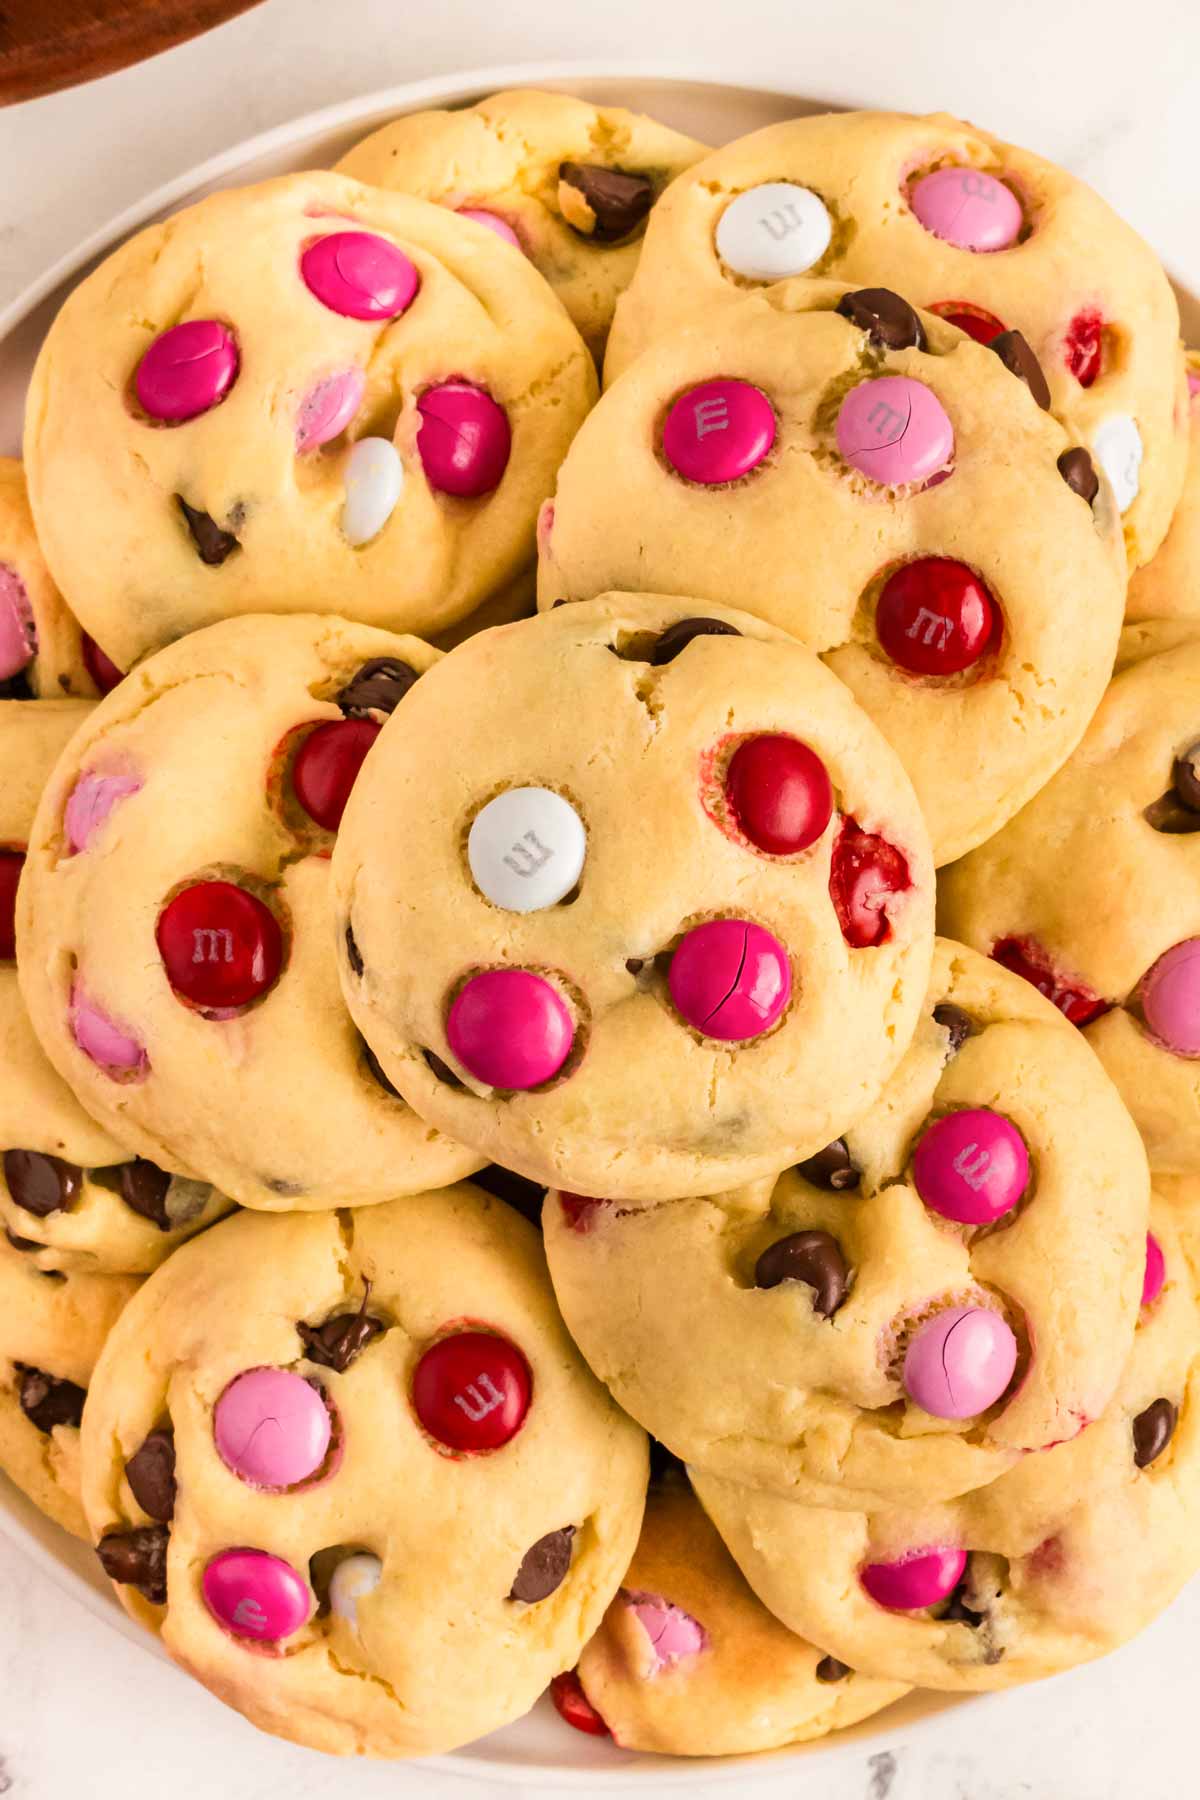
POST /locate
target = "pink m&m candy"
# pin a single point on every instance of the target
(895, 431)
(718, 431)
(967, 208)
(110, 1046)
(730, 979)
(187, 370)
(921, 1578)
(102, 669)
(960, 1363)
(510, 1029)
(472, 1391)
(1156, 1270)
(328, 408)
(272, 1428)
(18, 635)
(256, 1595)
(972, 1166)
(1170, 994)
(359, 275)
(464, 439)
(1193, 384)
(92, 800)
(673, 1633)
(492, 222)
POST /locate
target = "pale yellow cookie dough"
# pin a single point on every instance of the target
(56, 667)
(1169, 585)
(441, 1653)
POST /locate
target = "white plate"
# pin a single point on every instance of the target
(538, 1750)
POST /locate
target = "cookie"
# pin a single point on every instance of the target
(177, 957)
(688, 1663)
(951, 1285)
(1093, 890)
(663, 913)
(71, 1195)
(43, 653)
(1169, 585)
(52, 1328)
(890, 493)
(568, 184)
(305, 390)
(1062, 1559)
(989, 236)
(362, 1443)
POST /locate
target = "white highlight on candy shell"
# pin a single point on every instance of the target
(357, 1576)
(374, 478)
(526, 849)
(773, 231)
(1118, 449)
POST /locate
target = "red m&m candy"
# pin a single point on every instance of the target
(573, 1705)
(779, 793)
(865, 873)
(326, 767)
(982, 326)
(220, 946)
(1084, 346)
(472, 1391)
(935, 617)
(1027, 959)
(11, 864)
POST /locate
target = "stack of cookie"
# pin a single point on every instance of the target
(442, 802)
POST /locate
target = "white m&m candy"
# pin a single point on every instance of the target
(374, 477)
(526, 849)
(1118, 448)
(773, 231)
(352, 1579)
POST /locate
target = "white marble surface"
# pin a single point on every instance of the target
(1108, 90)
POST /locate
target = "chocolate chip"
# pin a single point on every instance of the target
(213, 544)
(635, 964)
(523, 1196)
(41, 1184)
(137, 1559)
(337, 1342)
(957, 1024)
(1152, 1431)
(17, 687)
(677, 637)
(46, 1401)
(1014, 352)
(353, 953)
(544, 1566)
(814, 1257)
(1168, 814)
(619, 201)
(1075, 467)
(1185, 777)
(830, 1669)
(20, 1243)
(442, 1070)
(887, 319)
(379, 686)
(375, 1069)
(831, 1168)
(150, 1473)
(143, 1187)
(957, 1610)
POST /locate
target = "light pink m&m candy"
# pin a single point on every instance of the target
(18, 636)
(112, 1047)
(328, 408)
(492, 222)
(895, 431)
(1193, 384)
(510, 1029)
(967, 208)
(960, 1363)
(1156, 1270)
(921, 1578)
(256, 1595)
(187, 370)
(1170, 994)
(673, 1633)
(92, 800)
(718, 431)
(730, 979)
(360, 275)
(464, 439)
(272, 1428)
(972, 1166)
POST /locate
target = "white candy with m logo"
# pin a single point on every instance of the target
(773, 231)
(526, 849)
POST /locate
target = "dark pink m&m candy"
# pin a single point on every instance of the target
(11, 864)
(255, 1595)
(1156, 1270)
(865, 874)
(718, 431)
(921, 1578)
(730, 979)
(464, 439)
(360, 275)
(187, 370)
(220, 946)
(972, 1166)
(779, 793)
(510, 1028)
(472, 1391)
(935, 617)
(102, 669)
(967, 208)
(272, 1428)
(326, 767)
(1027, 959)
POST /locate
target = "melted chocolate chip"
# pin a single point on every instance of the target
(523, 1196)
(337, 1342)
(831, 1168)
(619, 201)
(1014, 352)
(375, 1069)
(1152, 1431)
(1077, 470)
(46, 1401)
(212, 543)
(150, 1473)
(887, 319)
(137, 1559)
(143, 1187)
(442, 1070)
(17, 687)
(677, 637)
(353, 953)
(1185, 777)
(830, 1669)
(379, 686)
(957, 1024)
(814, 1257)
(544, 1566)
(41, 1184)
